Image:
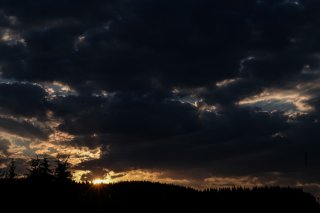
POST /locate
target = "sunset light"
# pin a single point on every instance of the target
(160, 105)
(100, 181)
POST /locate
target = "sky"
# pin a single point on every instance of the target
(206, 93)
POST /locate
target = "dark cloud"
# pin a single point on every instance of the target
(231, 93)
(4, 146)
(142, 44)
(34, 13)
(23, 129)
(228, 135)
(139, 45)
(232, 148)
(23, 99)
(122, 113)
(137, 67)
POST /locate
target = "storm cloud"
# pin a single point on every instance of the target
(195, 89)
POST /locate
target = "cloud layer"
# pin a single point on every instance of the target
(191, 91)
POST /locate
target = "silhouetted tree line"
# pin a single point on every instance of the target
(41, 171)
(49, 188)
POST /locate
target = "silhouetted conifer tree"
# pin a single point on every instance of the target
(2, 174)
(44, 170)
(34, 170)
(11, 173)
(62, 173)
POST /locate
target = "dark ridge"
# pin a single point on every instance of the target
(148, 197)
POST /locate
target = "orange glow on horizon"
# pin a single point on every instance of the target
(100, 181)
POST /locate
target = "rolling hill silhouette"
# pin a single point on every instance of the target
(149, 197)
(45, 189)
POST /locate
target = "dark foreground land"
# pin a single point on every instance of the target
(148, 197)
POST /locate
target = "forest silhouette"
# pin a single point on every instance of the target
(47, 188)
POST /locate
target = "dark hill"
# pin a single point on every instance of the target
(149, 197)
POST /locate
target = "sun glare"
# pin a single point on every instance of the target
(100, 181)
